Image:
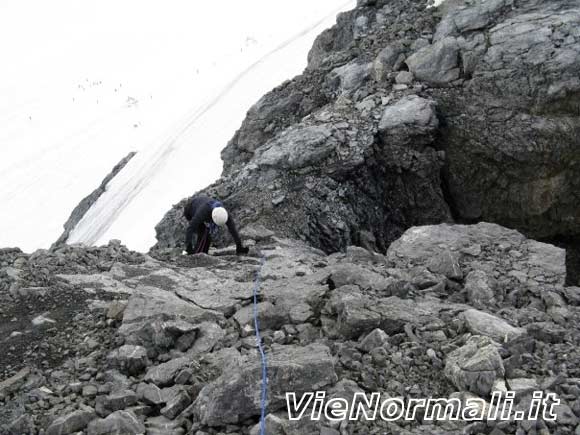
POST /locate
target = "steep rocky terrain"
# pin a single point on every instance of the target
(352, 184)
(104, 341)
(409, 116)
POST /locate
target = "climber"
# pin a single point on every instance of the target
(205, 215)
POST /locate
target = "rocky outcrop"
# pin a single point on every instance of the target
(167, 344)
(410, 116)
(87, 202)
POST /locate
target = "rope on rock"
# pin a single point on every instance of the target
(261, 349)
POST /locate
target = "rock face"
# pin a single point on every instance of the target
(166, 344)
(411, 116)
(86, 203)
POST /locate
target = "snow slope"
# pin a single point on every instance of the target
(83, 83)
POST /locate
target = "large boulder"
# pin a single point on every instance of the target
(490, 248)
(475, 366)
(235, 395)
(485, 324)
(438, 63)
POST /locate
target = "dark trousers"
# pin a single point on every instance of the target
(203, 241)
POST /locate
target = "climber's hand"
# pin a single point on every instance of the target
(241, 250)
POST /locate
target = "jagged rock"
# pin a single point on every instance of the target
(414, 115)
(375, 339)
(572, 295)
(164, 374)
(256, 232)
(481, 323)
(129, 359)
(479, 288)
(389, 59)
(446, 264)
(565, 416)
(270, 316)
(176, 405)
(208, 334)
(522, 386)
(184, 377)
(418, 246)
(298, 148)
(346, 274)
(118, 423)
(546, 331)
(404, 77)
(116, 309)
(475, 366)
(21, 425)
(118, 380)
(150, 393)
(71, 423)
(236, 395)
(15, 382)
(163, 426)
(120, 400)
(351, 76)
(148, 309)
(437, 63)
(357, 314)
(461, 19)
(273, 425)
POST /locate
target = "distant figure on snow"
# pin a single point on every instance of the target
(205, 215)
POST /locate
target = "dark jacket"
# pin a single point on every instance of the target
(198, 213)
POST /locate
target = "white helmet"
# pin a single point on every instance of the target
(219, 215)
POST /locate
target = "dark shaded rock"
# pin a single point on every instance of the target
(129, 359)
(120, 400)
(176, 405)
(87, 202)
(546, 331)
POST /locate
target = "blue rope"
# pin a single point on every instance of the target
(261, 349)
